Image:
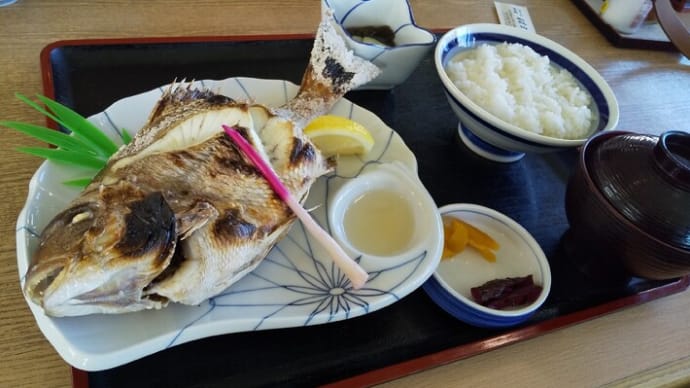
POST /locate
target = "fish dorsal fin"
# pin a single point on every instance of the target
(193, 129)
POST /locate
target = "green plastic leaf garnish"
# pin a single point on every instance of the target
(81, 127)
(48, 135)
(85, 145)
(65, 156)
(81, 182)
(125, 136)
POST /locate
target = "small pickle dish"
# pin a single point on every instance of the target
(518, 256)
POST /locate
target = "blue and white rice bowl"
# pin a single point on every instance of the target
(519, 255)
(501, 141)
(411, 41)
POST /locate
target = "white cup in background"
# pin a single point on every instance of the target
(626, 16)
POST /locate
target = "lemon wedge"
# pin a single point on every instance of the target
(336, 135)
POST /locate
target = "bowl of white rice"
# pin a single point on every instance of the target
(517, 92)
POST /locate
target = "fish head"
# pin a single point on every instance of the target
(100, 254)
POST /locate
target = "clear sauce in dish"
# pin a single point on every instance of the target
(379, 223)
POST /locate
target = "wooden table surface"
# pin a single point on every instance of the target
(647, 343)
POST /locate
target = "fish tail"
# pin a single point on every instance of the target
(333, 70)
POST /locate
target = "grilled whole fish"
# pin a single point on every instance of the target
(179, 214)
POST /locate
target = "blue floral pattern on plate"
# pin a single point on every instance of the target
(296, 285)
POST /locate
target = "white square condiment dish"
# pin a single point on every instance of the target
(396, 62)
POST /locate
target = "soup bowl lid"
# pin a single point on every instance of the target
(647, 179)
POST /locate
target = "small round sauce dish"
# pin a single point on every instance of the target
(385, 213)
(518, 255)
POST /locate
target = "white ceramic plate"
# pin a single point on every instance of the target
(296, 285)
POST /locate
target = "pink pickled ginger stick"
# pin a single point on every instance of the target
(352, 270)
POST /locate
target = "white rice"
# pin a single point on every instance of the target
(513, 82)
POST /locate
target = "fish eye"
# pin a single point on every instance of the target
(81, 217)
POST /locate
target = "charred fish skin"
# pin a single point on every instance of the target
(247, 217)
(180, 214)
(78, 248)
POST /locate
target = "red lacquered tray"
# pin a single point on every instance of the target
(412, 334)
